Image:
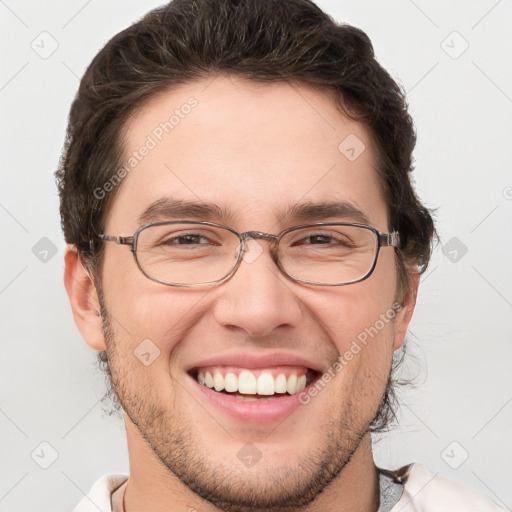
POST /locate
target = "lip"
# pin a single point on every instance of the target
(256, 361)
(250, 412)
(257, 411)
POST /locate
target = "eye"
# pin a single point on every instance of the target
(185, 239)
(324, 239)
(318, 239)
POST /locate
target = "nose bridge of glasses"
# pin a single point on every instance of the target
(259, 235)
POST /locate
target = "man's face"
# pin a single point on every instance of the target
(255, 151)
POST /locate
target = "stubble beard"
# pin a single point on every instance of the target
(228, 486)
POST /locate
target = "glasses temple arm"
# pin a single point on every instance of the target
(391, 239)
(120, 240)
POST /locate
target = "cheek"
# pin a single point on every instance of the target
(359, 312)
(359, 321)
(363, 367)
(142, 309)
(147, 328)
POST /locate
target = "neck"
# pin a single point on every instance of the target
(152, 487)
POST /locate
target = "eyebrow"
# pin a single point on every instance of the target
(168, 208)
(308, 212)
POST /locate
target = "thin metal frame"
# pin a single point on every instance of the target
(382, 239)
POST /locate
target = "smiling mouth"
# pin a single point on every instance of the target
(255, 384)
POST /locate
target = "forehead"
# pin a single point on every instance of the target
(255, 150)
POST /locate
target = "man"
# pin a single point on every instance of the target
(254, 159)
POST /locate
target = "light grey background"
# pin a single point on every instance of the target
(461, 333)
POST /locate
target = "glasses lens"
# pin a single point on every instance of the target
(328, 254)
(187, 253)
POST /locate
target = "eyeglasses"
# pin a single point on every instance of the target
(196, 253)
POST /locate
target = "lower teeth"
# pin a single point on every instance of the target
(251, 398)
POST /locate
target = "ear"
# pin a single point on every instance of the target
(404, 315)
(84, 300)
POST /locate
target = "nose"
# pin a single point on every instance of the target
(258, 298)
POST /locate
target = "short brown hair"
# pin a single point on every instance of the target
(263, 41)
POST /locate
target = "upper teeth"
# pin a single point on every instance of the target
(247, 383)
